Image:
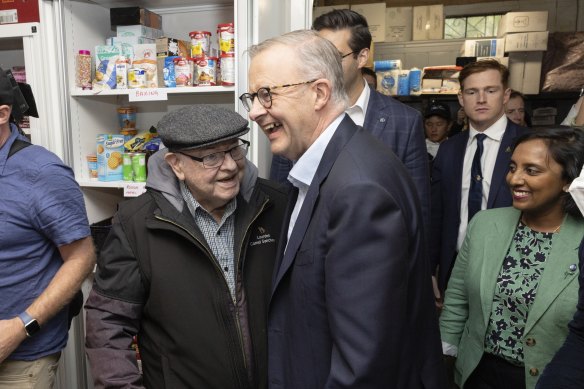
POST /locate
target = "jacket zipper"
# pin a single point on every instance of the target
(219, 271)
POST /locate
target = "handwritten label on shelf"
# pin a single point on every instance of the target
(134, 189)
(150, 94)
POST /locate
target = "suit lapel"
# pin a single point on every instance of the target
(494, 250)
(342, 135)
(502, 164)
(375, 117)
(557, 273)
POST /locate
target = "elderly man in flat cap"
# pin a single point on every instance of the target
(187, 266)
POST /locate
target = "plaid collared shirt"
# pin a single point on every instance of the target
(219, 236)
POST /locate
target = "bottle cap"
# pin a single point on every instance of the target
(84, 52)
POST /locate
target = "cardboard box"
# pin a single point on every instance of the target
(525, 71)
(522, 22)
(19, 11)
(138, 30)
(167, 47)
(398, 24)
(484, 48)
(440, 79)
(428, 22)
(130, 40)
(526, 41)
(375, 15)
(135, 15)
(543, 120)
(322, 10)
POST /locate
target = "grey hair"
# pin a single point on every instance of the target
(319, 57)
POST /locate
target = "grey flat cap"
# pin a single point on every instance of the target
(200, 125)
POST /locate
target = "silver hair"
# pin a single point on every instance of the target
(318, 56)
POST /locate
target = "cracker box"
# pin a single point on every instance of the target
(110, 148)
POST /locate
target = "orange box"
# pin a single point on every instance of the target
(19, 11)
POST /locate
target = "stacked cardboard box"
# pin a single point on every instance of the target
(526, 36)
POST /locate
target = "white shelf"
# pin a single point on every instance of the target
(131, 188)
(170, 91)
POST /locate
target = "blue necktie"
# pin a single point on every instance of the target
(475, 193)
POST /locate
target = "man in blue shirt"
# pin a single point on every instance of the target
(46, 252)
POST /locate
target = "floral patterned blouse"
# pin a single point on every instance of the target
(515, 292)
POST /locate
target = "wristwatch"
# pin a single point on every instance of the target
(31, 326)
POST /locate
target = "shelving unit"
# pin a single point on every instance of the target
(94, 112)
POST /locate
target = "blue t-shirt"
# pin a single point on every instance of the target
(41, 208)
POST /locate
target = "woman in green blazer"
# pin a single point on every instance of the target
(514, 286)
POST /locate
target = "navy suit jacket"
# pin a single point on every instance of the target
(399, 127)
(446, 193)
(566, 370)
(352, 305)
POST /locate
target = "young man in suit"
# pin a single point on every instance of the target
(351, 302)
(397, 125)
(469, 170)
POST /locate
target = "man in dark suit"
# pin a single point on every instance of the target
(351, 303)
(397, 125)
(460, 187)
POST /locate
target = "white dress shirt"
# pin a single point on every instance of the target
(358, 110)
(491, 148)
(304, 169)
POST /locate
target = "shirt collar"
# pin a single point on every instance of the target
(363, 100)
(494, 132)
(193, 204)
(304, 169)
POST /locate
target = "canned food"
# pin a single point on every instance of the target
(136, 78)
(127, 169)
(206, 68)
(226, 34)
(139, 167)
(200, 43)
(227, 69)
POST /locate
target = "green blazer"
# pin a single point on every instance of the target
(469, 296)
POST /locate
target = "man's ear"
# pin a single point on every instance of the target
(323, 90)
(5, 111)
(175, 164)
(362, 58)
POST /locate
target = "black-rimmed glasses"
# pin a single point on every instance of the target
(216, 159)
(264, 95)
(346, 55)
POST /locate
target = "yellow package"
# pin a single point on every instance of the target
(137, 142)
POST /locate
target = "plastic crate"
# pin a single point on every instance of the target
(99, 232)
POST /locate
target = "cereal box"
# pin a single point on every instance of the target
(110, 148)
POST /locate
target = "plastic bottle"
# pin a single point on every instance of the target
(83, 69)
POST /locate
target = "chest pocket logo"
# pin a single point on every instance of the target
(261, 236)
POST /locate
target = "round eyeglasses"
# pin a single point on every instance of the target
(214, 160)
(264, 95)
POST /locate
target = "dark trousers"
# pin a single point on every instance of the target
(496, 373)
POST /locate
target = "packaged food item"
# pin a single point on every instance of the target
(110, 148)
(92, 166)
(83, 70)
(127, 172)
(206, 67)
(226, 35)
(227, 69)
(105, 67)
(182, 72)
(145, 58)
(122, 67)
(136, 78)
(139, 167)
(127, 117)
(200, 43)
(138, 141)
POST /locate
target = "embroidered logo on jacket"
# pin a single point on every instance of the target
(261, 237)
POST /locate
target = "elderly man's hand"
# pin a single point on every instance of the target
(12, 333)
